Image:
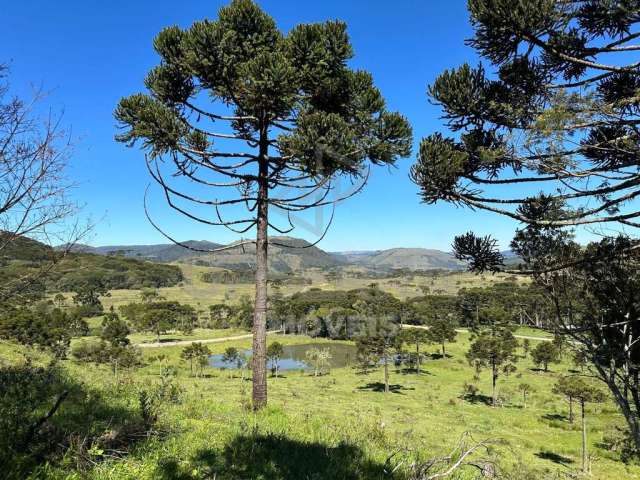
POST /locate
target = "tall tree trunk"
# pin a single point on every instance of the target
(494, 378)
(444, 353)
(418, 358)
(386, 373)
(260, 311)
(585, 459)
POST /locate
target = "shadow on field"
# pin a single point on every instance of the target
(379, 387)
(554, 417)
(46, 413)
(438, 356)
(275, 457)
(554, 457)
(478, 398)
(412, 371)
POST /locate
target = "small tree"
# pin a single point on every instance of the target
(493, 349)
(196, 352)
(545, 353)
(233, 356)
(319, 359)
(149, 295)
(221, 315)
(114, 330)
(88, 296)
(577, 388)
(526, 389)
(526, 347)
(161, 358)
(59, 300)
(442, 330)
(274, 353)
(415, 337)
(381, 339)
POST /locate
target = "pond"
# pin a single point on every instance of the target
(295, 356)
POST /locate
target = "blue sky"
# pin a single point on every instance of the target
(90, 54)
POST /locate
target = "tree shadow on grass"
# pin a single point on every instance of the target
(413, 371)
(379, 387)
(478, 398)
(46, 413)
(554, 457)
(276, 457)
(554, 417)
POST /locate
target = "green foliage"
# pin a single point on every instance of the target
(579, 389)
(196, 352)
(545, 353)
(275, 350)
(442, 331)
(116, 355)
(44, 329)
(114, 330)
(493, 349)
(234, 357)
(75, 272)
(334, 314)
(319, 359)
(379, 339)
(160, 317)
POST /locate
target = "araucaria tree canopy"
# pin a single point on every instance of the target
(559, 120)
(272, 119)
(552, 140)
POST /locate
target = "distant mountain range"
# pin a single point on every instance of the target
(163, 252)
(409, 258)
(287, 254)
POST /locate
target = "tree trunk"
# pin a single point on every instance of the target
(494, 378)
(444, 353)
(260, 312)
(524, 399)
(570, 409)
(585, 459)
(418, 358)
(386, 374)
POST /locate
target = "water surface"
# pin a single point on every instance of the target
(294, 356)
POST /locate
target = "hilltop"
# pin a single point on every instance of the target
(286, 254)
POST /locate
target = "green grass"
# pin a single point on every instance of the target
(338, 417)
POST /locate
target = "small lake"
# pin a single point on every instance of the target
(295, 356)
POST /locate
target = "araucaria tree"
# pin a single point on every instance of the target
(493, 349)
(544, 354)
(238, 109)
(576, 388)
(442, 330)
(559, 121)
(380, 340)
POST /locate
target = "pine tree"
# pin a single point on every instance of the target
(236, 105)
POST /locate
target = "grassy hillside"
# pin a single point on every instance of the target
(68, 271)
(337, 424)
(409, 258)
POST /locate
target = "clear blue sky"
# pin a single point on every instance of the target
(90, 54)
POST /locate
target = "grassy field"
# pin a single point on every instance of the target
(312, 423)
